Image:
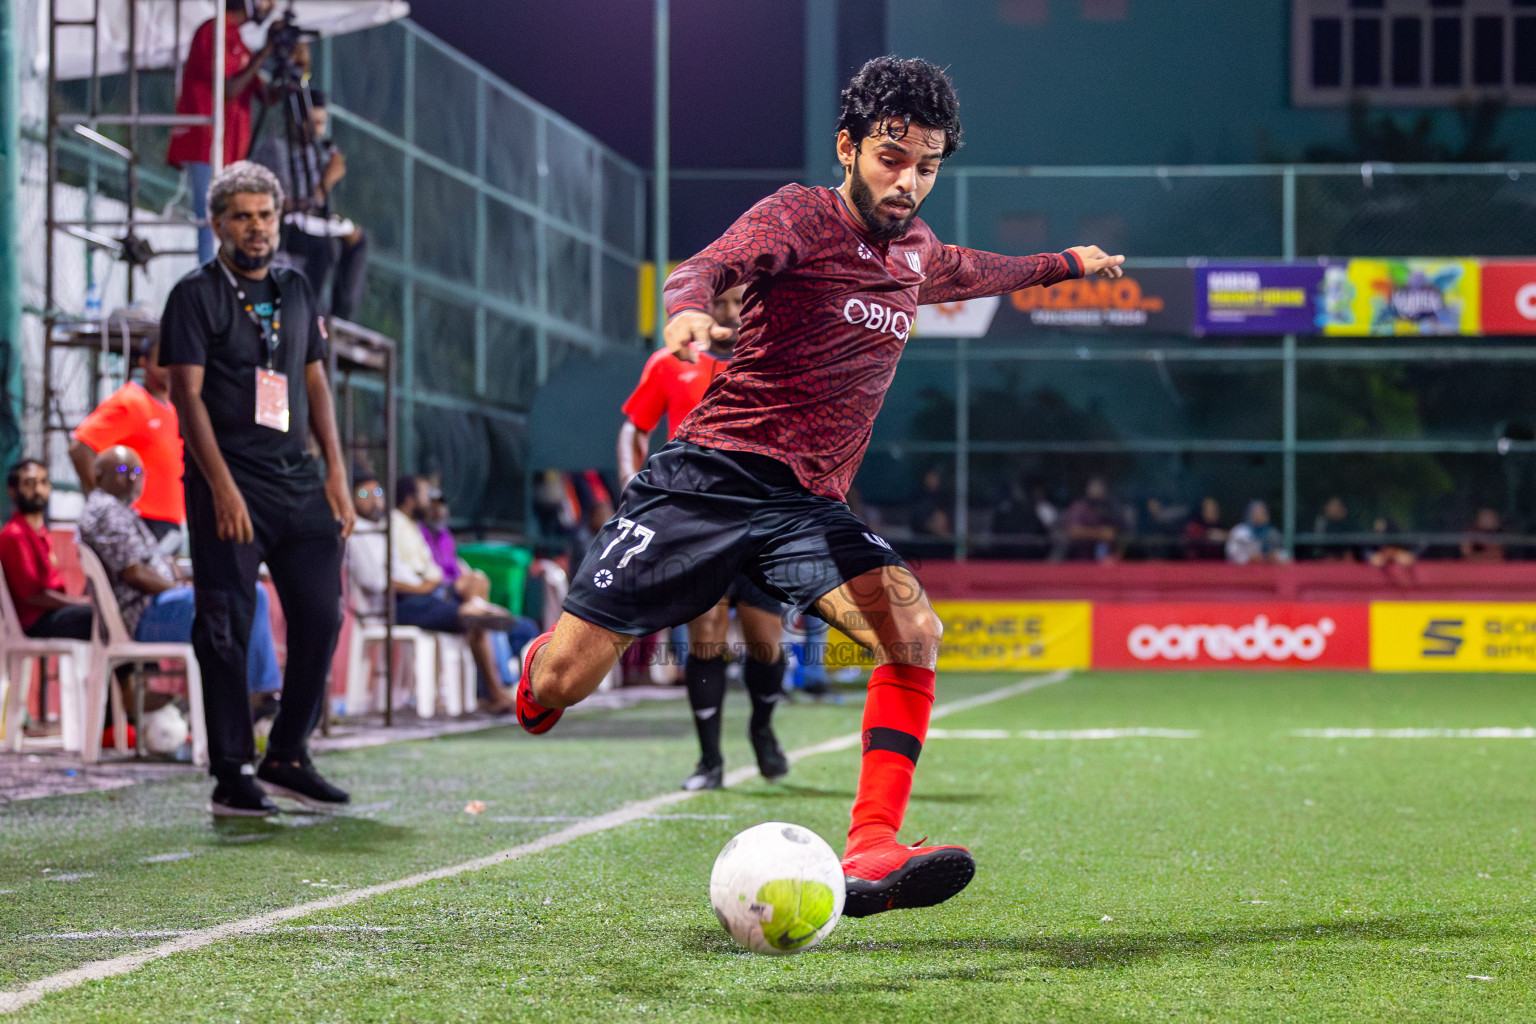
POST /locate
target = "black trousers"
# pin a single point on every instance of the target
(318, 255)
(72, 622)
(300, 540)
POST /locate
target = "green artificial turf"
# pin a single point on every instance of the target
(1240, 874)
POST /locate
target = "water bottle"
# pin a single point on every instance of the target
(93, 302)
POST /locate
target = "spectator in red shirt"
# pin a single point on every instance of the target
(31, 567)
(141, 417)
(191, 145)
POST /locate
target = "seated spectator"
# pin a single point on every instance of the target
(31, 567)
(1023, 521)
(932, 511)
(1255, 539)
(153, 596)
(311, 230)
(1389, 553)
(141, 417)
(1478, 547)
(466, 582)
(1092, 529)
(1334, 518)
(1161, 527)
(422, 598)
(1205, 539)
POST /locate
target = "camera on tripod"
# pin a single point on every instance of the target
(288, 94)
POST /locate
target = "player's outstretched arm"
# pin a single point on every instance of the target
(692, 331)
(1097, 261)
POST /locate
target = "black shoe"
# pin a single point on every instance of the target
(299, 780)
(238, 796)
(771, 761)
(705, 777)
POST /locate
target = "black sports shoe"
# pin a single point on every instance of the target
(705, 777)
(238, 796)
(771, 761)
(299, 780)
(890, 876)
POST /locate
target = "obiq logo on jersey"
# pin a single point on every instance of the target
(1231, 636)
(877, 317)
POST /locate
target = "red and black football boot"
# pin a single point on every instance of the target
(531, 715)
(885, 875)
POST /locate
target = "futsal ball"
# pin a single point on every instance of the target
(165, 730)
(777, 888)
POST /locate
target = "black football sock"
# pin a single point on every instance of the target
(705, 679)
(765, 683)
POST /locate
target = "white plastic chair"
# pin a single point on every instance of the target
(17, 654)
(457, 675)
(367, 633)
(119, 648)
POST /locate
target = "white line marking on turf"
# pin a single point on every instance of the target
(100, 970)
(1494, 733)
(167, 858)
(119, 933)
(1062, 734)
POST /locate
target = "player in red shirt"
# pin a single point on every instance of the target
(672, 387)
(755, 480)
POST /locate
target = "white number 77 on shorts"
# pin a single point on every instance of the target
(630, 528)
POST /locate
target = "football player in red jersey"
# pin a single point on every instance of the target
(755, 480)
(671, 387)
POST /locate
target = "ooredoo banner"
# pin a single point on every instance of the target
(1233, 636)
(1509, 297)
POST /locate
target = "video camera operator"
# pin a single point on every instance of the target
(310, 167)
(191, 146)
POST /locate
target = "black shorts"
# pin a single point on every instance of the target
(694, 519)
(743, 591)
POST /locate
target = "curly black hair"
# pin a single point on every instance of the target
(912, 89)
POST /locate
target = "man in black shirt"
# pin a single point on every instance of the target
(245, 352)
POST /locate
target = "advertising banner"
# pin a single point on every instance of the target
(1272, 298)
(1422, 636)
(971, 318)
(993, 636)
(1159, 300)
(1408, 297)
(996, 636)
(1509, 297)
(1231, 636)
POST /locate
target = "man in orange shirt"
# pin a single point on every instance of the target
(668, 386)
(141, 417)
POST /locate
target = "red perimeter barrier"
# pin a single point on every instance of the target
(1202, 582)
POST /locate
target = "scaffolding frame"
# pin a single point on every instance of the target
(59, 329)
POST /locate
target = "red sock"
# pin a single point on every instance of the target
(895, 726)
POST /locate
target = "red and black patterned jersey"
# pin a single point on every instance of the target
(826, 315)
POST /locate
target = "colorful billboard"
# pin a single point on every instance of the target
(1231, 636)
(1159, 300)
(1401, 297)
(1509, 297)
(1271, 298)
(1418, 636)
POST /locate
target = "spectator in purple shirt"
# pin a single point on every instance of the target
(464, 581)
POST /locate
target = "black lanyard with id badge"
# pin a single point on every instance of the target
(271, 385)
